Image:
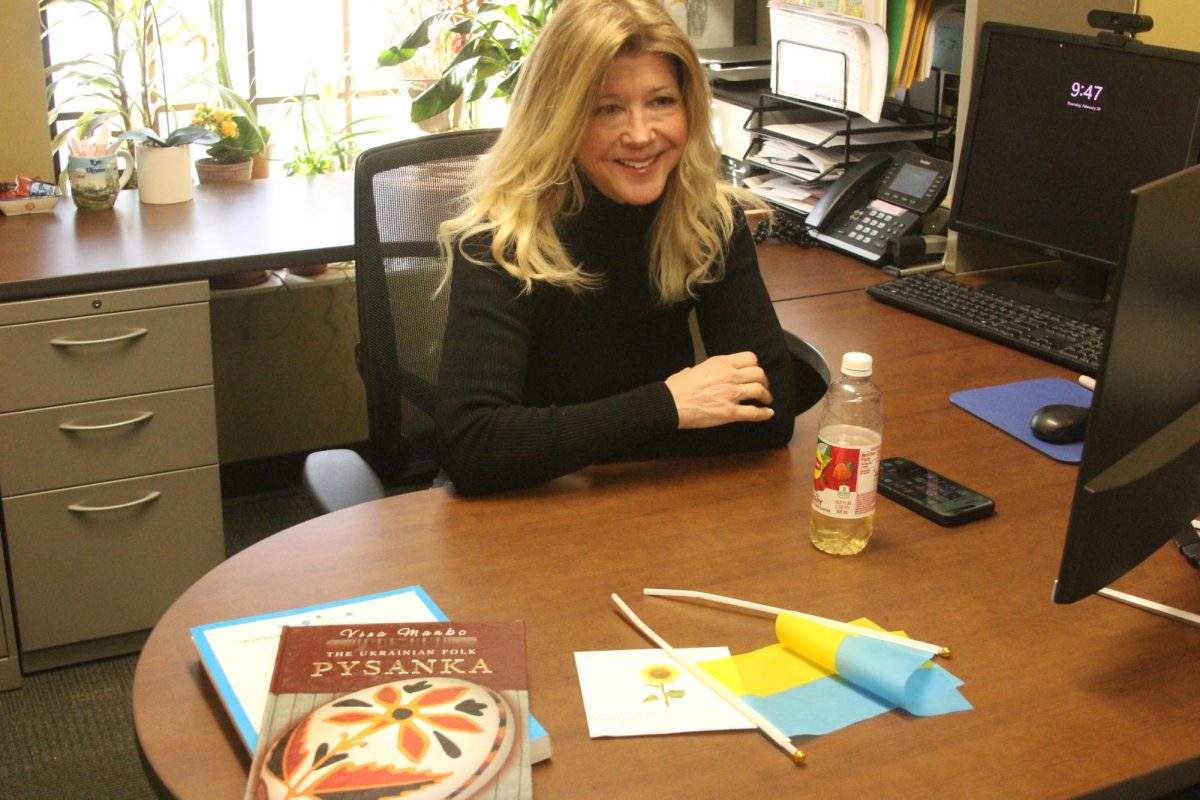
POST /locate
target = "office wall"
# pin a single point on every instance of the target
(24, 130)
(283, 368)
(1174, 23)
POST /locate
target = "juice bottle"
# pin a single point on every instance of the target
(849, 434)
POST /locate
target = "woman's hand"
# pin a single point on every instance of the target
(718, 391)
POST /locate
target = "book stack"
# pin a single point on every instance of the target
(241, 656)
(414, 709)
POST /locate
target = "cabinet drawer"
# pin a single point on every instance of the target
(106, 355)
(106, 439)
(115, 563)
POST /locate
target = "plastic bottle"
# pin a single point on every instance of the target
(846, 471)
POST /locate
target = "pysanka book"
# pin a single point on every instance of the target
(239, 654)
(416, 710)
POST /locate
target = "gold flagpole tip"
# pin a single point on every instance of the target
(798, 757)
(945, 652)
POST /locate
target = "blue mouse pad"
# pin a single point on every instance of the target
(1010, 407)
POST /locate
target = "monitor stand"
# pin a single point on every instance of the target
(1188, 539)
(1079, 292)
(1170, 612)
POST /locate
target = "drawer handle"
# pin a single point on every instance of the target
(84, 508)
(63, 341)
(134, 420)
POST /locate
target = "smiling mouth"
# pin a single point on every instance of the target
(637, 164)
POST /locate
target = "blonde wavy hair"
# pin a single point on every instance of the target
(527, 184)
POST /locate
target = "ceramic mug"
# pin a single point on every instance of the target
(95, 181)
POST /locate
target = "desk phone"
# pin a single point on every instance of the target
(877, 200)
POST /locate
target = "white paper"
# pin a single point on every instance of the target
(239, 655)
(832, 132)
(784, 191)
(869, 10)
(620, 700)
(830, 59)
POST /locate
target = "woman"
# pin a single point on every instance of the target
(596, 225)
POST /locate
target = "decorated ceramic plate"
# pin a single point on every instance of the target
(427, 738)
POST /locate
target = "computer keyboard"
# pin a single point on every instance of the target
(1045, 334)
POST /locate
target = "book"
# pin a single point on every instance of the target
(416, 709)
(238, 654)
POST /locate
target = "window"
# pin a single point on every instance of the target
(321, 51)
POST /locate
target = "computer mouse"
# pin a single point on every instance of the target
(1060, 423)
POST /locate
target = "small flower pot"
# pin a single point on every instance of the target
(309, 270)
(262, 164)
(212, 171)
(164, 174)
(239, 280)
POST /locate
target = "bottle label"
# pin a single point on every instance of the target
(844, 480)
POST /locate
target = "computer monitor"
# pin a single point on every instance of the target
(1060, 127)
(1139, 480)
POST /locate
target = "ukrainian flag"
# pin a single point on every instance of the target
(818, 679)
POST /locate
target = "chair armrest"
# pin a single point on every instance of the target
(335, 479)
(811, 372)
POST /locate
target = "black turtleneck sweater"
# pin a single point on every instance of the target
(535, 386)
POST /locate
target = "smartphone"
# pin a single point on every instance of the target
(930, 494)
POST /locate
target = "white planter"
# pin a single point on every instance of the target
(164, 174)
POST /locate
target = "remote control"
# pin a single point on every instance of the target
(930, 494)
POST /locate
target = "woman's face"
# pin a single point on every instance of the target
(637, 129)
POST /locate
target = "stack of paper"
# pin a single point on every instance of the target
(862, 133)
(805, 164)
(792, 194)
(832, 59)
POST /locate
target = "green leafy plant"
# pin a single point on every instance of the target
(240, 139)
(189, 134)
(324, 146)
(123, 80)
(228, 96)
(489, 42)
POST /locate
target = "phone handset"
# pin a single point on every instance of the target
(864, 174)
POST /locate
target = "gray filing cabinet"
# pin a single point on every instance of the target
(108, 467)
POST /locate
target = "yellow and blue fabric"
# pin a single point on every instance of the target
(818, 679)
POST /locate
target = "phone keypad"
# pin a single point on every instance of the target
(872, 227)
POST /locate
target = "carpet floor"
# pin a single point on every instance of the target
(68, 733)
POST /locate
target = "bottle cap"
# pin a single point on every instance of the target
(856, 365)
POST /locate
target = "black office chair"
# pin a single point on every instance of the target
(402, 191)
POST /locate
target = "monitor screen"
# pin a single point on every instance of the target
(1139, 480)
(1060, 128)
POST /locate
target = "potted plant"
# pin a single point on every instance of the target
(229, 96)
(488, 42)
(231, 157)
(123, 80)
(324, 146)
(164, 164)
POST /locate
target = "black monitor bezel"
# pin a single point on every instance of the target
(1139, 479)
(961, 174)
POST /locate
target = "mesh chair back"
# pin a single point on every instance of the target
(402, 191)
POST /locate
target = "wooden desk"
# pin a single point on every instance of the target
(1068, 699)
(53, 258)
(226, 228)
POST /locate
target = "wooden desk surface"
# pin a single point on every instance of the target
(225, 228)
(1068, 699)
